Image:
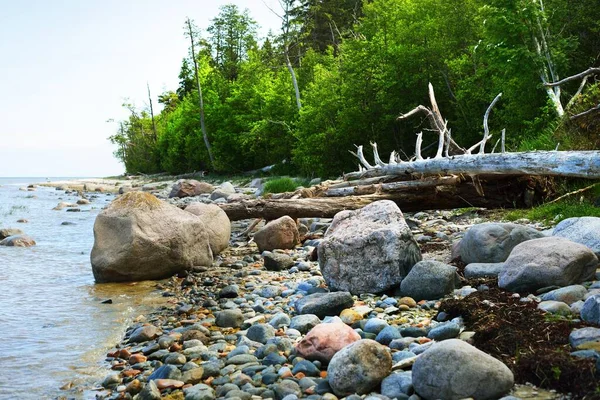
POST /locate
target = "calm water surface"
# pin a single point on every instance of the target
(53, 327)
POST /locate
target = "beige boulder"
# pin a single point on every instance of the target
(281, 233)
(138, 237)
(216, 222)
(324, 340)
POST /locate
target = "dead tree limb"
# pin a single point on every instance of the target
(583, 114)
(392, 187)
(584, 74)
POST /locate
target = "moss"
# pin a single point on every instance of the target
(137, 200)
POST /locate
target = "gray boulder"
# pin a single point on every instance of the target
(483, 270)
(429, 280)
(568, 294)
(216, 222)
(368, 250)
(454, 369)
(550, 261)
(224, 190)
(324, 304)
(493, 242)
(190, 187)
(583, 230)
(138, 237)
(281, 233)
(359, 367)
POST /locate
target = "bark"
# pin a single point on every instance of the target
(392, 187)
(576, 164)
(503, 192)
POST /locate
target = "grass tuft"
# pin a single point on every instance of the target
(283, 184)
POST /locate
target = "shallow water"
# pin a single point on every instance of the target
(54, 329)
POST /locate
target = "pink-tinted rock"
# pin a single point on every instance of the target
(191, 187)
(324, 340)
(168, 383)
(281, 233)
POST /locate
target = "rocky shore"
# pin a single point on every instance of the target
(374, 304)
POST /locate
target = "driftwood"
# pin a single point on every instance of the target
(498, 192)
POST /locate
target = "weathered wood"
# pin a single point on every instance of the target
(576, 164)
(369, 181)
(499, 192)
(392, 187)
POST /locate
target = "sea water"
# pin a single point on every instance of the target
(54, 328)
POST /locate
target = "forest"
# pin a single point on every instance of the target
(340, 72)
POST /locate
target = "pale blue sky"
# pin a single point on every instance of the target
(66, 67)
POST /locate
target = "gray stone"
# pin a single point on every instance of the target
(307, 368)
(324, 304)
(551, 261)
(260, 333)
(454, 369)
(359, 367)
(493, 242)
(555, 307)
(568, 294)
(388, 334)
(583, 230)
(285, 388)
(139, 237)
(446, 330)
(269, 291)
(375, 325)
(277, 261)
(585, 338)
(241, 359)
(304, 323)
(229, 318)
(149, 392)
(229, 292)
(398, 385)
(280, 320)
(591, 309)
(429, 280)
(483, 270)
(199, 392)
(368, 250)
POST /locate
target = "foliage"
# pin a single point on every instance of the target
(359, 64)
(282, 185)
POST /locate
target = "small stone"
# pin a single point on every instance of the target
(229, 318)
(229, 292)
(277, 261)
(555, 307)
(387, 334)
(375, 325)
(260, 333)
(585, 338)
(350, 316)
(398, 385)
(324, 304)
(408, 301)
(199, 392)
(280, 320)
(150, 392)
(447, 330)
(324, 340)
(144, 333)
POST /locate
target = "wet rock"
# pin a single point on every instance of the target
(324, 304)
(277, 261)
(324, 340)
(190, 187)
(216, 222)
(18, 241)
(281, 233)
(430, 280)
(544, 262)
(368, 250)
(144, 333)
(166, 372)
(493, 242)
(359, 367)
(583, 230)
(139, 237)
(454, 369)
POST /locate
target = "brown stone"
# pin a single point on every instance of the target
(134, 387)
(194, 334)
(18, 241)
(324, 340)
(137, 358)
(168, 383)
(350, 316)
(193, 376)
(409, 301)
(281, 233)
(190, 187)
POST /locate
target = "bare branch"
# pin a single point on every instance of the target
(576, 95)
(583, 114)
(486, 129)
(418, 146)
(588, 72)
(376, 155)
(361, 157)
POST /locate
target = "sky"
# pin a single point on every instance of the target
(67, 66)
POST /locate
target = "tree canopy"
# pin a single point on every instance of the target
(358, 64)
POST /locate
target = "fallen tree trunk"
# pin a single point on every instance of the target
(392, 187)
(499, 192)
(576, 164)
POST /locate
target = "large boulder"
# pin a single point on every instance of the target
(6, 232)
(429, 280)
(584, 230)
(281, 233)
(190, 187)
(138, 237)
(18, 241)
(550, 261)
(493, 242)
(324, 340)
(359, 367)
(453, 369)
(368, 250)
(216, 222)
